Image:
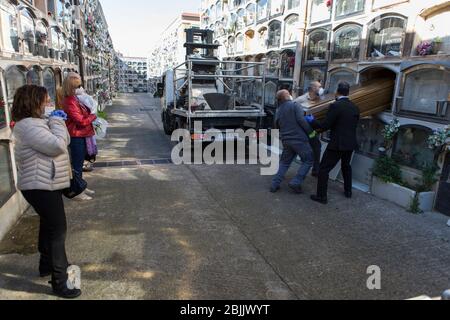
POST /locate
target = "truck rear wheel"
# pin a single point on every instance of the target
(168, 123)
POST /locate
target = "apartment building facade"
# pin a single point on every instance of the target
(169, 51)
(40, 42)
(356, 41)
(132, 74)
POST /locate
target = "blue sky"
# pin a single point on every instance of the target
(135, 25)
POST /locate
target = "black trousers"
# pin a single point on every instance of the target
(330, 159)
(49, 206)
(316, 146)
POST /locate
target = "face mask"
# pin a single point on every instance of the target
(80, 91)
(321, 92)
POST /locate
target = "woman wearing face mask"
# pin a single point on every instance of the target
(79, 124)
(40, 145)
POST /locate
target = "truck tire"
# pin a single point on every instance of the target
(167, 123)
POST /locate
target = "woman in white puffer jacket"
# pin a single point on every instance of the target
(41, 150)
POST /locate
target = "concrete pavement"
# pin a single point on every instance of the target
(162, 231)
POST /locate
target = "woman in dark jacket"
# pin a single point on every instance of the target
(79, 123)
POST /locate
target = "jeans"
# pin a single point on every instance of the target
(78, 155)
(291, 150)
(49, 206)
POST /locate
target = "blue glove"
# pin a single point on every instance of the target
(310, 119)
(59, 114)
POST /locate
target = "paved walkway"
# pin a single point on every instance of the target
(162, 231)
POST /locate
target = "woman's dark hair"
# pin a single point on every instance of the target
(28, 101)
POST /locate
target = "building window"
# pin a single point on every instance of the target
(276, 7)
(9, 26)
(55, 41)
(273, 64)
(339, 76)
(274, 38)
(212, 11)
(240, 19)
(251, 14)
(292, 4)
(63, 46)
(7, 188)
(287, 64)
(42, 39)
(347, 43)
(248, 42)
(28, 31)
(320, 11)
(271, 93)
(262, 9)
(231, 44)
(425, 89)
(370, 137)
(347, 7)
(240, 43)
(317, 45)
(33, 77)
(291, 29)
(60, 6)
(385, 37)
(313, 74)
(262, 38)
(15, 78)
(258, 91)
(50, 83)
(411, 147)
(260, 68)
(218, 9)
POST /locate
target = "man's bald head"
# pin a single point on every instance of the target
(283, 96)
(315, 86)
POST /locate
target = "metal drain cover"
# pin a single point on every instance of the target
(148, 109)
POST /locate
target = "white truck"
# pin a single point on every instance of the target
(204, 89)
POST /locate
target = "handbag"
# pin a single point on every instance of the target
(91, 149)
(77, 186)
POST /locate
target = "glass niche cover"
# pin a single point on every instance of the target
(385, 37)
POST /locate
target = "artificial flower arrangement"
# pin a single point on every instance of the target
(440, 139)
(425, 48)
(389, 132)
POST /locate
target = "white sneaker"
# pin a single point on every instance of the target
(89, 192)
(74, 278)
(83, 197)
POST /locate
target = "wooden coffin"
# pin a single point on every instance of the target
(371, 98)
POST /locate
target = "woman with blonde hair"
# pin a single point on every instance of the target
(40, 146)
(59, 98)
(79, 123)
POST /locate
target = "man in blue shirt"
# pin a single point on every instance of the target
(294, 133)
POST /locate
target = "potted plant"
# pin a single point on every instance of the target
(388, 185)
(437, 45)
(440, 140)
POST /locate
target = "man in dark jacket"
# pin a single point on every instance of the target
(342, 119)
(294, 129)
